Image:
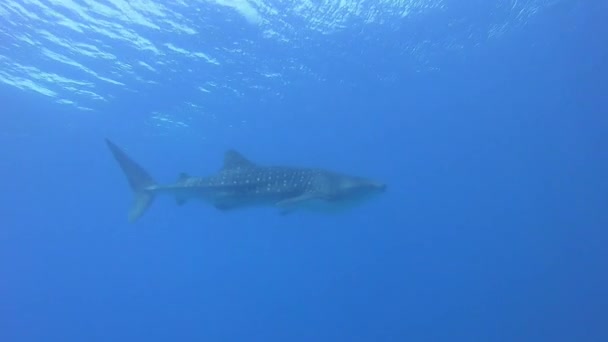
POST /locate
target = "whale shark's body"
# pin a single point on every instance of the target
(242, 183)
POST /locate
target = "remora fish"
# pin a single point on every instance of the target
(242, 183)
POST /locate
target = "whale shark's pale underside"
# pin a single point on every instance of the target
(242, 183)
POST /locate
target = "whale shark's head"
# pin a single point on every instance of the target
(348, 188)
(339, 192)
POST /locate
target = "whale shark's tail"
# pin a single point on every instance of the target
(138, 178)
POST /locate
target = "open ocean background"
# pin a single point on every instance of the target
(486, 118)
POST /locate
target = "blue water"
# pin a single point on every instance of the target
(487, 120)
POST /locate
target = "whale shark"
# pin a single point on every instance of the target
(242, 183)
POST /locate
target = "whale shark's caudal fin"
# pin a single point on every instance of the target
(138, 178)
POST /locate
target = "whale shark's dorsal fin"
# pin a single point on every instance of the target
(235, 160)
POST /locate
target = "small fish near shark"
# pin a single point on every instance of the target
(242, 183)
